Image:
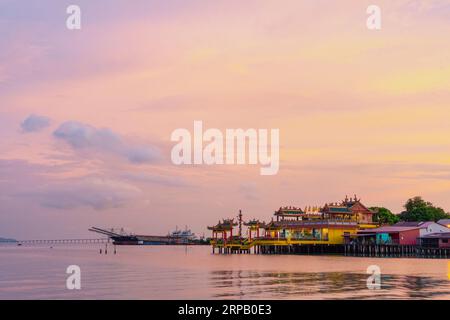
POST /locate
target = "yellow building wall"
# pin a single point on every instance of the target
(336, 236)
(333, 236)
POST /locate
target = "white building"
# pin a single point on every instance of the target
(426, 227)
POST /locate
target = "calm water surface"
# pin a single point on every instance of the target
(166, 272)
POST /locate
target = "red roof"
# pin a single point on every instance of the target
(422, 224)
(400, 226)
(389, 229)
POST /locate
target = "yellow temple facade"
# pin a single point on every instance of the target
(333, 224)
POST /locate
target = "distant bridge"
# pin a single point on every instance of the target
(58, 241)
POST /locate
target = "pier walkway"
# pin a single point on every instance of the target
(56, 241)
(317, 247)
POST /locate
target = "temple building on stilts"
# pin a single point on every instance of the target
(294, 228)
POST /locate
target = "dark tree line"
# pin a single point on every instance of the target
(416, 209)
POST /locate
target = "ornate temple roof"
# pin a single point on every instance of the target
(226, 224)
(289, 211)
(338, 209)
(254, 222)
(347, 206)
(272, 225)
(310, 216)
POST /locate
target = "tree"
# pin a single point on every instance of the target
(418, 209)
(384, 216)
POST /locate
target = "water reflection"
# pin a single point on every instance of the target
(322, 285)
(174, 273)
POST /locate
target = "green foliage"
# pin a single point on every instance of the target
(384, 216)
(418, 209)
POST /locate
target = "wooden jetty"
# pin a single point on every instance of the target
(399, 251)
(353, 250)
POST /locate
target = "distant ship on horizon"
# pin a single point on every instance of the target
(183, 236)
(176, 237)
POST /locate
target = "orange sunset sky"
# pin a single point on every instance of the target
(86, 115)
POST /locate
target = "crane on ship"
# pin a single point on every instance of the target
(111, 235)
(108, 233)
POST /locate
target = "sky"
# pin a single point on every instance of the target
(86, 115)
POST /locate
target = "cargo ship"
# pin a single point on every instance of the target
(182, 236)
(177, 237)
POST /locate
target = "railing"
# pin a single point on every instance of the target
(245, 242)
(316, 223)
(283, 238)
(378, 242)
